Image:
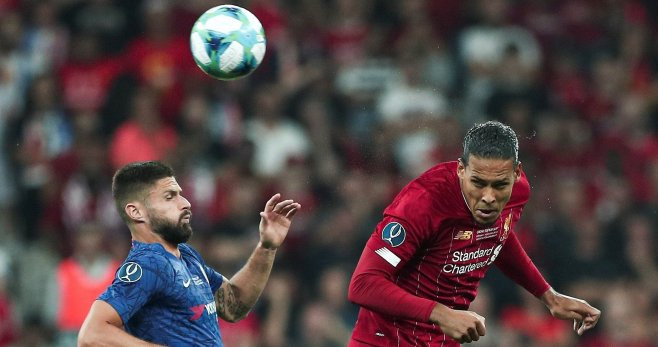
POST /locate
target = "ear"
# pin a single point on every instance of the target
(460, 168)
(135, 212)
(517, 173)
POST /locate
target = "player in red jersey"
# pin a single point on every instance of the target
(421, 267)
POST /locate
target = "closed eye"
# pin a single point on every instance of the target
(500, 185)
(478, 183)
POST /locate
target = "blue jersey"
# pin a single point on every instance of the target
(166, 300)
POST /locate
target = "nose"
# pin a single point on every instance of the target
(185, 203)
(488, 196)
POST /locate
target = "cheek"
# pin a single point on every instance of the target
(473, 195)
(505, 195)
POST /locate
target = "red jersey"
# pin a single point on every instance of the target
(427, 249)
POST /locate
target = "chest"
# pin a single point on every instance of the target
(188, 289)
(462, 246)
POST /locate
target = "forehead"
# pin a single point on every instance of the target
(490, 169)
(165, 184)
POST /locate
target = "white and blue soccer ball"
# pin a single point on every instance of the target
(227, 42)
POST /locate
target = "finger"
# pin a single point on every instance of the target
(269, 206)
(590, 310)
(465, 339)
(581, 329)
(575, 325)
(591, 320)
(285, 209)
(586, 326)
(281, 205)
(292, 212)
(481, 328)
(473, 334)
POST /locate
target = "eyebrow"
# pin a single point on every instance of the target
(480, 180)
(172, 190)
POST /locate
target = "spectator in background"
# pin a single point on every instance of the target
(42, 133)
(410, 114)
(276, 138)
(160, 58)
(46, 40)
(13, 82)
(328, 318)
(86, 77)
(145, 136)
(82, 194)
(78, 281)
(278, 303)
(482, 48)
(106, 19)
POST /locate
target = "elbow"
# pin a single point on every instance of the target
(234, 319)
(85, 339)
(355, 288)
(89, 336)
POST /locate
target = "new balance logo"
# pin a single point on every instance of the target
(464, 235)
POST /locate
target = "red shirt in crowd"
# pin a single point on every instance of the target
(429, 249)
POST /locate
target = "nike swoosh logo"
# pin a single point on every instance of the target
(187, 283)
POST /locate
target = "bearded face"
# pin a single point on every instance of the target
(173, 232)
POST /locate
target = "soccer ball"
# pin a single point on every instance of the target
(227, 42)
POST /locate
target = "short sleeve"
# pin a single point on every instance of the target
(215, 279)
(136, 282)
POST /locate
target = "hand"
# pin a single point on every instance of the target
(565, 307)
(275, 221)
(463, 326)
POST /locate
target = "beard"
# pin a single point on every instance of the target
(173, 233)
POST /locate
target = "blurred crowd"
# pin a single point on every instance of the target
(352, 100)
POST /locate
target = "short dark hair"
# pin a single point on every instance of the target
(132, 182)
(491, 140)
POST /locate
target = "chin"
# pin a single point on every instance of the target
(487, 222)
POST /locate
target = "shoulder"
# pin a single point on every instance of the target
(428, 200)
(145, 261)
(435, 189)
(440, 179)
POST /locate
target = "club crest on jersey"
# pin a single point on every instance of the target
(394, 234)
(506, 226)
(129, 272)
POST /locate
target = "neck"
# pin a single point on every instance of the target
(142, 233)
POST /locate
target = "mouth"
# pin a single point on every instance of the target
(486, 214)
(186, 217)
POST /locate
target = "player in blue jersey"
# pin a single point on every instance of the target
(164, 293)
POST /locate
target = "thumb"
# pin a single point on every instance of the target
(263, 215)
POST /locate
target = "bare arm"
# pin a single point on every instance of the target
(103, 327)
(239, 294)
